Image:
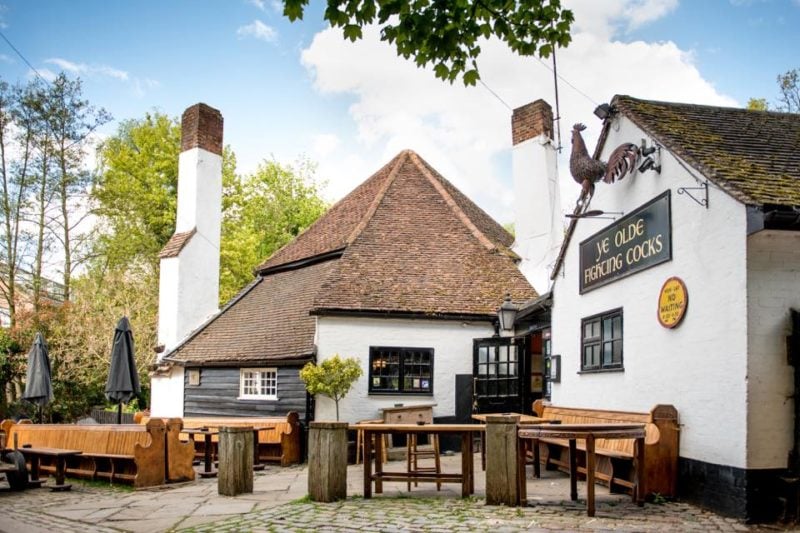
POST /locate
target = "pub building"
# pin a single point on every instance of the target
(679, 284)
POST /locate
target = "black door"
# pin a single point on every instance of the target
(500, 375)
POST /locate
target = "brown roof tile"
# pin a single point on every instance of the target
(753, 155)
(176, 243)
(267, 322)
(426, 249)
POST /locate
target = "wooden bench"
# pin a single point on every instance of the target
(615, 457)
(128, 453)
(280, 442)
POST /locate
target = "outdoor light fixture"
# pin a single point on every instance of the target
(507, 314)
(652, 157)
(604, 111)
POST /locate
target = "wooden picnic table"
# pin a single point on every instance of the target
(207, 433)
(465, 477)
(35, 455)
(589, 433)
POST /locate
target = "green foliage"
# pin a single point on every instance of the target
(261, 213)
(447, 34)
(332, 378)
(757, 104)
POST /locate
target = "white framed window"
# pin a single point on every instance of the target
(258, 383)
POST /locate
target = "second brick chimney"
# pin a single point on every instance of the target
(537, 201)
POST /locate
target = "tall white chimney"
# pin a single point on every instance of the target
(189, 282)
(538, 221)
(188, 292)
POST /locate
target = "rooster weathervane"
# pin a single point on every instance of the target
(587, 171)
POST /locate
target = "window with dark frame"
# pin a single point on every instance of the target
(601, 341)
(400, 370)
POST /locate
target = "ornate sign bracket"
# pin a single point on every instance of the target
(703, 187)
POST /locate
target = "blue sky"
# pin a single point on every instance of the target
(291, 89)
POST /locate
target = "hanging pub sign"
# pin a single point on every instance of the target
(672, 302)
(638, 241)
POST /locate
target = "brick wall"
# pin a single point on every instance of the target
(531, 120)
(201, 127)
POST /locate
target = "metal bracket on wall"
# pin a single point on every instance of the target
(703, 187)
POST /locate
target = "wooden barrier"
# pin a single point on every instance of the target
(615, 457)
(128, 453)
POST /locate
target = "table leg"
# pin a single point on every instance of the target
(61, 464)
(378, 462)
(34, 468)
(573, 470)
(537, 470)
(590, 460)
(207, 451)
(466, 464)
(367, 447)
(483, 451)
(638, 465)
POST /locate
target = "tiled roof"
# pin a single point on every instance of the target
(268, 321)
(424, 249)
(176, 243)
(753, 155)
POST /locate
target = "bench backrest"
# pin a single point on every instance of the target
(95, 438)
(283, 425)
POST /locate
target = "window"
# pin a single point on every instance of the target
(401, 370)
(258, 383)
(601, 341)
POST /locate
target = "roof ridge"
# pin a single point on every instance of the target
(448, 198)
(376, 202)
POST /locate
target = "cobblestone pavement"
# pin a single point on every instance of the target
(279, 503)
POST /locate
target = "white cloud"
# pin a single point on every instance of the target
(6, 59)
(325, 144)
(45, 73)
(465, 132)
(258, 30)
(88, 70)
(258, 4)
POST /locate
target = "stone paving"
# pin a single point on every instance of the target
(279, 503)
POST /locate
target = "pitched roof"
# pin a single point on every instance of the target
(267, 322)
(753, 155)
(406, 242)
(423, 248)
(176, 243)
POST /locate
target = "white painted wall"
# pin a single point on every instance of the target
(189, 283)
(352, 337)
(538, 223)
(701, 366)
(773, 287)
(166, 394)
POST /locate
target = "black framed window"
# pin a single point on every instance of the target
(400, 370)
(601, 341)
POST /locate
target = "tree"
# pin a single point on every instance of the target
(757, 104)
(332, 378)
(261, 213)
(447, 34)
(789, 86)
(71, 120)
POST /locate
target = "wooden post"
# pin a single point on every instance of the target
(502, 462)
(235, 461)
(327, 461)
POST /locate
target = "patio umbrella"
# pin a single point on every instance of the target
(38, 386)
(123, 380)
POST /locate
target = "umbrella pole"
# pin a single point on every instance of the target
(119, 413)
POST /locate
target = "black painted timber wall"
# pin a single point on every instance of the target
(217, 394)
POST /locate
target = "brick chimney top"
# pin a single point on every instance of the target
(531, 120)
(201, 127)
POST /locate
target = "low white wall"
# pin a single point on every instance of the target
(166, 394)
(352, 337)
(773, 287)
(701, 366)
